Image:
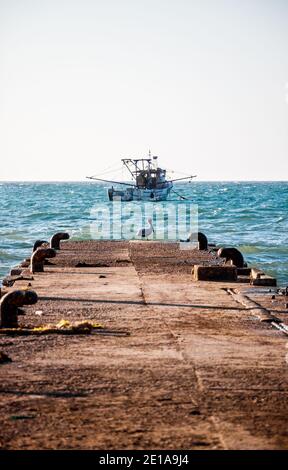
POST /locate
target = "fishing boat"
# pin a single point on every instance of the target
(149, 181)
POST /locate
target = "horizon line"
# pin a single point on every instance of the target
(99, 182)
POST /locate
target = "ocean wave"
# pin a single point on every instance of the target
(266, 249)
(6, 256)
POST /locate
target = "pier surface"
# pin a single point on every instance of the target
(180, 365)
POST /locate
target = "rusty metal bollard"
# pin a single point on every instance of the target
(10, 303)
(55, 239)
(231, 254)
(38, 258)
(16, 271)
(202, 240)
(38, 243)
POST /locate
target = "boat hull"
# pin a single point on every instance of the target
(138, 194)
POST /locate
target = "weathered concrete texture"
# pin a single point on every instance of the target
(198, 371)
(214, 273)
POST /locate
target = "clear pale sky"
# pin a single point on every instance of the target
(202, 83)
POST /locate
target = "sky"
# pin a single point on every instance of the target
(203, 84)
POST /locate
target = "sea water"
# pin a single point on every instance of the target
(251, 216)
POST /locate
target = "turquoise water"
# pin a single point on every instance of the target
(250, 216)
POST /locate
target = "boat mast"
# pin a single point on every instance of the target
(128, 162)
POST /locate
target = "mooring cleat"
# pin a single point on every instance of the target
(16, 271)
(200, 237)
(233, 255)
(38, 243)
(10, 306)
(38, 259)
(56, 238)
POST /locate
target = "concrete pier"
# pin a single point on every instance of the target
(181, 363)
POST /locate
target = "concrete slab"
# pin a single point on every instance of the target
(198, 370)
